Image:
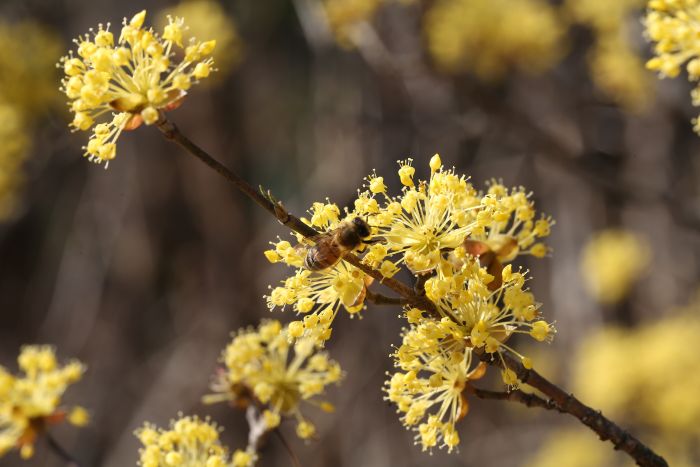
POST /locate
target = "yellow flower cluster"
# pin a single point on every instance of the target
(431, 218)
(633, 369)
(436, 353)
(30, 402)
(459, 240)
(133, 80)
(27, 88)
(274, 366)
(492, 37)
(417, 228)
(616, 68)
(189, 442)
(612, 261)
(429, 391)
(673, 26)
(207, 18)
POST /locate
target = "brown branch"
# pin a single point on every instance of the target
(379, 299)
(525, 398)
(593, 419)
(606, 429)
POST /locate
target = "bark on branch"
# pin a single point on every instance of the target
(606, 429)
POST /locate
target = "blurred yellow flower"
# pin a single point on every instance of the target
(615, 66)
(12, 155)
(579, 447)
(612, 261)
(135, 79)
(644, 378)
(31, 402)
(491, 38)
(673, 26)
(28, 53)
(273, 366)
(619, 72)
(208, 18)
(189, 442)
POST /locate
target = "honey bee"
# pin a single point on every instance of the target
(330, 247)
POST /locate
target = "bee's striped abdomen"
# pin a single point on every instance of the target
(319, 258)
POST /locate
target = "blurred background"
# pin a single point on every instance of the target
(142, 270)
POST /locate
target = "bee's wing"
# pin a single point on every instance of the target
(306, 243)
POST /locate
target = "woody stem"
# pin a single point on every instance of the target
(172, 133)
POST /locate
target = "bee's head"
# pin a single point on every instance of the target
(361, 227)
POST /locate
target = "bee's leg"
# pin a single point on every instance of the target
(373, 240)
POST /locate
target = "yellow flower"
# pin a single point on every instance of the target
(32, 401)
(429, 391)
(475, 313)
(189, 442)
(271, 367)
(133, 79)
(425, 220)
(673, 26)
(491, 37)
(242, 458)
(612, 261)
(506, 223)
(207, 18)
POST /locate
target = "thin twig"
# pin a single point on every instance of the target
(525, 398)
(171, 132)
(61, 452)
(288, 448)
(593, 419)
(606, 429)
(379, 299)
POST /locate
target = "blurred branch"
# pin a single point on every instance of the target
(61, 452)
(567, 403)
(313, 22)
(606, 429)
(288, 448)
